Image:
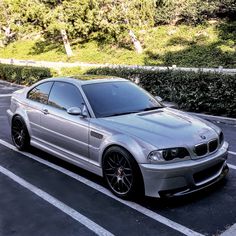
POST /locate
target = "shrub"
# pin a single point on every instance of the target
(212, 93)
(70, 71)
(24, 75)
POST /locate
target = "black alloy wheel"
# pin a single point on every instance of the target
(19, 132)
(122, 173)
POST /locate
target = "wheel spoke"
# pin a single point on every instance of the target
(122, 161)
(111, 163)
(115, 184)
(121, 185)
(116, 158)
(110, 169)
(17, 125)
(128, 175)
(15, 134)
(112, 180)
(127, 180)
(112, 175)
(16, 128)
(127, 170)
(127, 186)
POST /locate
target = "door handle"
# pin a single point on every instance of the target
(45, 111)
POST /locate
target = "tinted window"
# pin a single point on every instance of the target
(64, 96)
(115, 98)
(40, 93)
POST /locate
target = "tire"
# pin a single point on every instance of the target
(122, 173)
(19, 134)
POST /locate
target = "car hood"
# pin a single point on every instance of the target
(163, 128)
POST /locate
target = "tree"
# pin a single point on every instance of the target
(101, 20)
(7, 22)
(56, 21)
(116, 17)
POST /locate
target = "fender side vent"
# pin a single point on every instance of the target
(96, 135)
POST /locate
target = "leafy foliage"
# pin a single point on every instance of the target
(200, 46)
(24, 75)
(82, 19)
(210, 93)
(193, 11)
(104, 19)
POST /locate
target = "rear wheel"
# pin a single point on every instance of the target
(122, 173)
(19, 133)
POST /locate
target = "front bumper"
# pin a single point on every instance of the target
(180, 178)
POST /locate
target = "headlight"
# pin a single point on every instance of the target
(221, 138)
(167, 154)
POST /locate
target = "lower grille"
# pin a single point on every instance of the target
(207, 173)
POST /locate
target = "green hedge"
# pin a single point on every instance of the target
(24, 75)
(210, 93)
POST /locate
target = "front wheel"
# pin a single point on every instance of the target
(19, 133)
(122, 173)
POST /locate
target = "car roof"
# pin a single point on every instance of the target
(85, 79)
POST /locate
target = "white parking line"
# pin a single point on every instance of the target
(58, 204)
(155, 216)
(7, 88)
(229, 232)
(232, 166)
(5, 95)
(233, 153)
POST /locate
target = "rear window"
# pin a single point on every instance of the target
(40, 93)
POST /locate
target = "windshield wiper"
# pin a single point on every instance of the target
(131, 112)
(151, 108)
(122, 113)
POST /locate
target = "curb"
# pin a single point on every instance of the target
(12, 84)
(218, 119)
(58, 65)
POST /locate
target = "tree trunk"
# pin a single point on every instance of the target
(137, 44)
(66, 42)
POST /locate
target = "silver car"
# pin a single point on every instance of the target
(115, 129)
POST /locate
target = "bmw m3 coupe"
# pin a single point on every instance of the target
(115, 129)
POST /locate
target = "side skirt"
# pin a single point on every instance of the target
(87, 165)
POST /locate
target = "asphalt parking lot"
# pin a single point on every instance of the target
(41, 195)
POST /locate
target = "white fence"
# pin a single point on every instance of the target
(59, 65)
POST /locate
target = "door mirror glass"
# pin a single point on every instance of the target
(76, 111)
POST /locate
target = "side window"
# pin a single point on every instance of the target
(64, 96)
(40, 93)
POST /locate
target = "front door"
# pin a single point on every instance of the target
(65, 133)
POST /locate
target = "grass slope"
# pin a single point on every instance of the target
(209, 45)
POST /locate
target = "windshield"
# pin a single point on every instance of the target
(118, 98)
